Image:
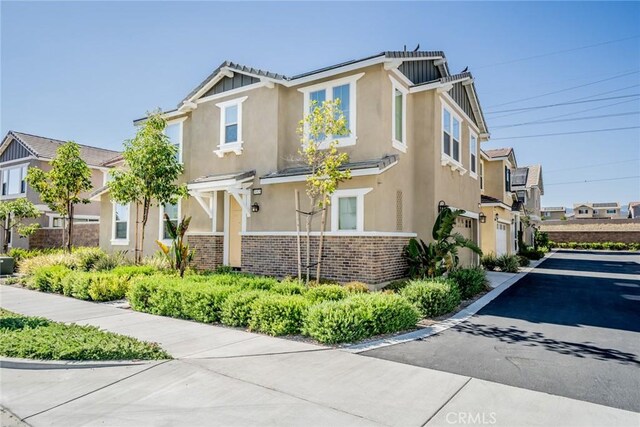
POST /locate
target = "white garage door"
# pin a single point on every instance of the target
(501, 239)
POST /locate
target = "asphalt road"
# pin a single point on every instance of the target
(571, 328)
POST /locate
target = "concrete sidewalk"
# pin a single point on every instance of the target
(224, 376)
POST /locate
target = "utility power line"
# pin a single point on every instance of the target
(617, 76)
(541, 122)
(590, 166)
(593, 180)
(565, 103)
(542, 55)
(568, 133)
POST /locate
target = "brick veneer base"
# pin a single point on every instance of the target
(369, 259)
(83, 235)
(595, 236)
(208, 251)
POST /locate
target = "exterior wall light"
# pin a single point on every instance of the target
(496, 217)
(482, 218)
(255, 207)
(442, 206)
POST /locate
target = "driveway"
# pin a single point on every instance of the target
(569, 328)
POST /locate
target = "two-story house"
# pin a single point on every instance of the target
(528, 186)
(553, 213)
(20, 151)
(414, 145)
(499, 205)
(608, 210)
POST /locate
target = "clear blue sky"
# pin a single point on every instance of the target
(84, 71)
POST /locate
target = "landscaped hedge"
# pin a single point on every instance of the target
(612, 246)
(470, 281)
(236, 310)
(433, 297)
(326, 293)
(279, 314)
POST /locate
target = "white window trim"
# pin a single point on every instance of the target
(7, 169)
(473, 174)
(114, 241)
(161, 222)
(328, 86)
(180, 123)
(398, 145)
(335, 215)
(447, 160)
(232, 147)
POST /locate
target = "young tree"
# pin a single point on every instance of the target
(324, 122)
(149, 175)
(61, 188)
(12, 216)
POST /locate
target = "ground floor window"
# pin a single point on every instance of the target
(347, 209)
(120, 222)
(172, 212)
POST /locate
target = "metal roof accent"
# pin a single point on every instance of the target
(381, 163)
(237, 176)
(498, 152)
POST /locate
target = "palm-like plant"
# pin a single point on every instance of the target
(179, 254)
(441, 255)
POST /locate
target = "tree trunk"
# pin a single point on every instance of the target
(5, 234)
(70, 227)
(323, 220)
(137, 237)
(297, 198)
(145, 217)
(308, 254)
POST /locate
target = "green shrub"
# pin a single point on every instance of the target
(107, 287)
(508, 263)
(28, 266)
(86, 258)
(489, 261)
(236, 309)
(224, 269)
(49, 278)
(432, 297)
(133, 270)
(112, 261)
(356, 288)
(470, 281)
(203, 303)
(531, 253)
(358, 317)
(278, 314)
(322, 293)
(289, 288)
(523, 261)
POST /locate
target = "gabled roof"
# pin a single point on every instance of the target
(598, 205)
(45, 148)
(528, 176)
(498, 152)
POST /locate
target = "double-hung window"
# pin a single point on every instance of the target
(120, 224)
(473, 155)
(173, 212)
(347, 210)
(398, 116)
(230, 126)
(507, 178)
(174, 133)
(451, 135)
(14, 180)
(343, 89)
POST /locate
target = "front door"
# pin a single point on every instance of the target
(235, 227)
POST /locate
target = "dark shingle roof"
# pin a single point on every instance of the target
(365, 164)
(41, 146)
(498, 152)
(489, 199)
(224, 176)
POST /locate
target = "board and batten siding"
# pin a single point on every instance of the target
(420, 71)
(14, 151)
(230, 83)
(459, 94)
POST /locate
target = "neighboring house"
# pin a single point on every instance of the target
(634, 210)
(415, 134)
(499, 204)
(20, 151)
(554, 212)
(610, 210)
(528, 186)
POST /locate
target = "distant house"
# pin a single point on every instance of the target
(634, 209)
(609, 210)
(554, 212)
(528, 186)
(20, 151)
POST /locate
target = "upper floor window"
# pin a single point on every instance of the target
(507, 179)
(473, 154)
(399, 116)
(450, 135)
(174, 132)
(120, 224)
(611, 211)
(347, 209)
(481, 175)
(343, 89)
(230, 126)
(14, 180)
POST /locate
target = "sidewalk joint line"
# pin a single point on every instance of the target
(447, 402)
(96, 390)
(313, 350)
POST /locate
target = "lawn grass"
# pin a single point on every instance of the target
(39, 338)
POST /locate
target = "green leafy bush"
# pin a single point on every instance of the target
(470, 281)
(432, 297)
(107, 287)
(358, 317)
(289, 288)
(618, 246)
(489, 261)
(236, 309)
(112, 261)
(356, 288)
(224, 269)
(322, 293)
(28, 266)
(38, 338)
(531, 253)
(86, 258)
(203, 303)
(279, 314)
(523, 261)
(49, 278)
(133, 270)
(508, 263)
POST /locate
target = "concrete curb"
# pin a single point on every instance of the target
(32, 364)
(452, 321)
